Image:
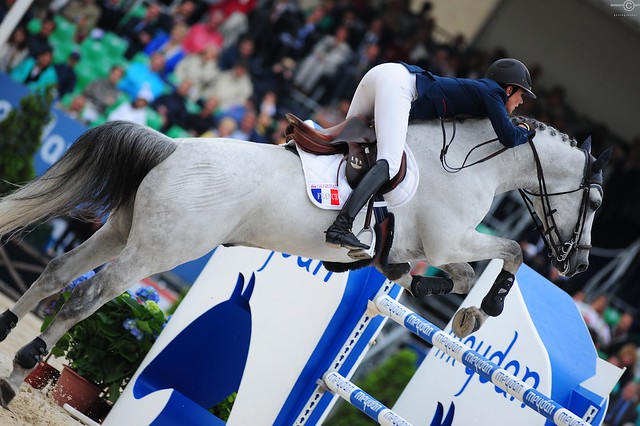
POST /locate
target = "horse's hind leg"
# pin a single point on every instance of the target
(86, 298)
(103, 246)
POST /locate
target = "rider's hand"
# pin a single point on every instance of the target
(526, 126)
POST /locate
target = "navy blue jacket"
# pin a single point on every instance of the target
(446, 97)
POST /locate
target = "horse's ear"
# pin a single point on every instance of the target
(602, 160)
(586, 145)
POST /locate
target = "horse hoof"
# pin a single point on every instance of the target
(6, 393)
(467, 321)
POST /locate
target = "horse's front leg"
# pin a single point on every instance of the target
(469, 320)
(459, 280)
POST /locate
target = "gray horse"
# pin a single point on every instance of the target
(171, 201)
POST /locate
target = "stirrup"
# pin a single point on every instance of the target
(367, 236)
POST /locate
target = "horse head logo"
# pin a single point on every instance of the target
(220, 337)
(439, 418)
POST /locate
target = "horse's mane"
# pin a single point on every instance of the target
(539, 126)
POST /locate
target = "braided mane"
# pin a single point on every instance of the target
(540, 126)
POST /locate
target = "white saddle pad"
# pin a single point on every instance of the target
(327, 185)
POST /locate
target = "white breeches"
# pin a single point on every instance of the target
(385, 94)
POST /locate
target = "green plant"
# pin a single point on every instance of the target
(223, 409)
(385, 383)
(21, 133)
(108, 346)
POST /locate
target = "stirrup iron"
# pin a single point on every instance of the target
(366, 236)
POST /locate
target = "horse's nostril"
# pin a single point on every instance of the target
(582, 267)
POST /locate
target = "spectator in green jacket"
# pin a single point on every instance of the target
(37, 73)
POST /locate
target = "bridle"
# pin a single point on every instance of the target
(548, 229)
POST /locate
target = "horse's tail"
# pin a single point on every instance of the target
(99, 173)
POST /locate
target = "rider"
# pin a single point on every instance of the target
(390, 92)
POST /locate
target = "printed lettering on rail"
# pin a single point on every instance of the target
(342, 384)
(480, 364)
(540, 403)
(422, 327)
(500, 357)
(368, 402)
(394, 308)
(569, 419)
(392, 417)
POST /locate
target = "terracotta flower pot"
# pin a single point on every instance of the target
(41, 375)
(75, 390)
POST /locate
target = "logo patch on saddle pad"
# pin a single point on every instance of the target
(326, 194)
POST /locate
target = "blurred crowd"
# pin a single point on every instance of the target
(233, 68)
(617, 340)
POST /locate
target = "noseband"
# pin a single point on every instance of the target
(548, 229)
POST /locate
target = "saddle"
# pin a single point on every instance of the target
(354, 138)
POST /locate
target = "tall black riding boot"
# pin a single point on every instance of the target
(339, 234)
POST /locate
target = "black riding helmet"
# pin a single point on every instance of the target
(511, 72)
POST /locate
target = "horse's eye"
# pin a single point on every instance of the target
(595, 205)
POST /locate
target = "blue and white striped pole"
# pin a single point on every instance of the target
(472, 359)
(362, 400)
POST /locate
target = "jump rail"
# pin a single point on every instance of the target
(385, 305)
(362, 400)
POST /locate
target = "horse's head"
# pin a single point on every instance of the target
(566, 215)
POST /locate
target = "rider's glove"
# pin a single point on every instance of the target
(532, 131)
